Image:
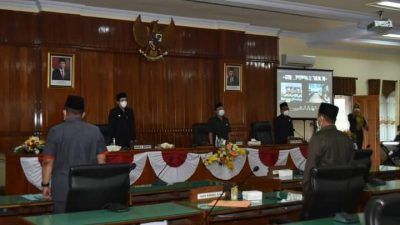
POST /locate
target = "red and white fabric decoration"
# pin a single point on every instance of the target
(299, 158)
(140, 161)
(266, 159)
(263, 161)
(179, 166)
(221, 171)
(32, 170)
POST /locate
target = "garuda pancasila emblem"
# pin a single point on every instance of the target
(154, 42)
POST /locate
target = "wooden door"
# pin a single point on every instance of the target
(370, 108)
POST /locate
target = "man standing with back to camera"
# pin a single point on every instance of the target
(328, 146)
(71, 143)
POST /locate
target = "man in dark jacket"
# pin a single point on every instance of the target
(283, 125)
(328, 146)
(121, 122)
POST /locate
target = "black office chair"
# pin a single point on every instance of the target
(105, 132)
(363, 157)
(333, 190)
(383, 210)
(99, 186)
(390, 149)
(200, 134)
(262, 131)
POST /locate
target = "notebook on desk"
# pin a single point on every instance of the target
(227, 203)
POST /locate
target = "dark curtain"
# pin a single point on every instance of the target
(374, 86)
(344, 86)
(388, 86)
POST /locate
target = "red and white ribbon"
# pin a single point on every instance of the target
(179, 166)
(298, 158)
(222, 171)
(140, 161)
(255, 159)
(32, 170)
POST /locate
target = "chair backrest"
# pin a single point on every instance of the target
(262, 131)
(105, 132)
(93, 187)
(363, 157)
(383, 210)
(200, 134)
(333, 189)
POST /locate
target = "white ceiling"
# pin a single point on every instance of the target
(326, 23)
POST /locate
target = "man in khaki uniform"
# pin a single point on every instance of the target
(328, 146)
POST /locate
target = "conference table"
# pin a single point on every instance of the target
(174, 213)
(272, 205)
(24, 205)
(328, 221)
(163, 192)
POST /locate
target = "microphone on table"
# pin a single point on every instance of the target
(227, 187)
(159, 181)
(255, 169)
(133, 166)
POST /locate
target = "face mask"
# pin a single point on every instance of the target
(286, 112)
(221, 112)
(123, 104)
(318, 125)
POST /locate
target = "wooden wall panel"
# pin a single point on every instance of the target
(97, 85)
(18, 27)
(60, 29)
(195, 42)
(232, 44)
(168, 96)
(19, 78)
(260, 98)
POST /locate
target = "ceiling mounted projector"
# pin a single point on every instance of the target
(380, 26)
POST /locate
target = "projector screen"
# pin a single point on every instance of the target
(303, 90)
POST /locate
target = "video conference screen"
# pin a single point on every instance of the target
(303, 90)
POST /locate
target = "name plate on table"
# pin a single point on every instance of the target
(206, 193)
(210, 195)
(138, 147)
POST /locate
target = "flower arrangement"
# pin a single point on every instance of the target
(225, 155)
(32, 145)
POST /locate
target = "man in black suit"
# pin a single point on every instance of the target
(121, 122)
(283, 125)
(232, 79)
(61, 73)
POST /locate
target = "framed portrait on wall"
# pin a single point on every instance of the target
(233, 77)
(61, 70)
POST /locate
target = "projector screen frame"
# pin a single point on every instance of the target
(300, 69)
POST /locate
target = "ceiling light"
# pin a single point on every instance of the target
(392, 35)
(394, 4)
(390, 4)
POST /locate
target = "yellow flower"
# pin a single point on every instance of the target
(225, 155)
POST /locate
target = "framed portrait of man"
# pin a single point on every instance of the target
(61, 70)
(233, 77)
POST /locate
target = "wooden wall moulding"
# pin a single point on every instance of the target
(167, 96)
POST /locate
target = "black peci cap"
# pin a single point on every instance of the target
(328, 110)
(75, 102)
(219, 104)
(283, 104)
(121, 95)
